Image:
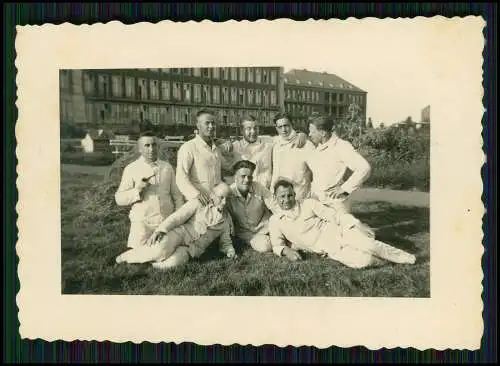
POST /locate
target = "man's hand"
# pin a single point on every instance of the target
(291, 254)
(300, 141)
(205, 197)
(155, 238)
(336, 193)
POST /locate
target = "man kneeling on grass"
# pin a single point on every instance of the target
(313, 227)
(187, 233)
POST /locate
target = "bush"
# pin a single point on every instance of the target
(72, 131)
(82, 158)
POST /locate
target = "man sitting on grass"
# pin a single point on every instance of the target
(313, 227)
(148, 186)
(187, 233)
(251, 205)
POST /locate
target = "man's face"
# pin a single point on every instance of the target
(206, 125)
(283, 127)
(285, 197)
(148, 147)
(243, 179)
(314, 134)
(250, 131)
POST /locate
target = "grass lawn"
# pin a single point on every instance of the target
(94, 232)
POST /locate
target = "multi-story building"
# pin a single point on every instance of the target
(115, 98)
(308, 91)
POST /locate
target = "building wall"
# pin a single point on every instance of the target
(173, 96)
(301, 101)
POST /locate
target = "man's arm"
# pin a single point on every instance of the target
(278, 240)
(179, 217)
(226, 242)
(177, 196)
(185, 161)
(126, 193)
(358, 164)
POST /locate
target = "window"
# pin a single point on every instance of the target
(115, 111)
(102, 85)
(234, 96)
(89, 112)
(258, 97)
(177, 91)
(250, 96)
(294, 94)
(187, 92)
(308, 95)
(154, 115)
(206, 94)
(143, 90)
(317, 96)
(154, 90)
(205, 72)
(225, 95)
(155, 70)
(166, 71)
(273, 98)
(265, 97)
(273, 77)
(250, 74)
(242, 74)
(197, 93)
(258, 75)
(165, 90)
(89, 83)
(216, 94)
(175, 70)
(216, 72)
(264, 76)
(241, 96)
(341, 98)
(327, 97)
(234, 73)
(196, 71)
(186, 71)
(129, 87)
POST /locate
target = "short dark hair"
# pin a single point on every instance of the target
(204, 111)
(282, 182)
(147, 134)
(243, 164)
(281, 115)
(323, 123)
(249, 117)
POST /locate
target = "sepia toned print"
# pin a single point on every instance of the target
(259, 183)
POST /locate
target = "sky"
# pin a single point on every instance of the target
(397, 63)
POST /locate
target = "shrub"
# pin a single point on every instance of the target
(82, 158)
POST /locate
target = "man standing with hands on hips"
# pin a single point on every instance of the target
(329, 162)
(148, 186)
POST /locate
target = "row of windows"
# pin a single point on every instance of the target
(123, 113)
(243, 74)
(300, 109)
(148, 89)
(329, 97)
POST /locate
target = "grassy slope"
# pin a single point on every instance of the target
(94, 232)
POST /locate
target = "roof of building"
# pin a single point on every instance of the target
(317, 79)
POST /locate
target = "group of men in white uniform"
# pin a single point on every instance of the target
(288, 196)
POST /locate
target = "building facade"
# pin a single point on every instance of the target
(308, 91)
(121, 97)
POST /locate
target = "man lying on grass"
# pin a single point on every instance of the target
(187, 233)
(313, 227)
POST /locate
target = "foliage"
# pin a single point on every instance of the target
(72, 131)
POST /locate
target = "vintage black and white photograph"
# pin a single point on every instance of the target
(258, 170)
(237, 180)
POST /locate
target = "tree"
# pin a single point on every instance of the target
(370, 123)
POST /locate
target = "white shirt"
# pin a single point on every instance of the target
(290, 162)
(198, 165)
(329, 162)
(160, 199)
(259, 153)
(303, 225)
